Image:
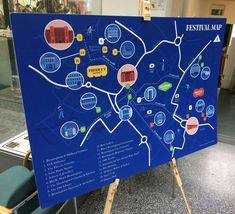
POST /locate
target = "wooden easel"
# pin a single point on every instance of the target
(177, 178)
(144, 9)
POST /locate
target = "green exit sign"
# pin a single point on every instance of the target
(217, 12)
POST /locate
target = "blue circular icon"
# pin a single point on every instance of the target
(69, 130)
(210, 111)
(169, 137)
(150, 94)
(206, 72)
(88, 101)
(74, 80)
(50, 62)
(112, 33)
(200, 106)
(159, 118)
(195, 70)
(125, 112)
(127, 49)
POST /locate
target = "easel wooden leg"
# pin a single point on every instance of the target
(4, 210)
(75, 205)
(109, 200)
(179, 183)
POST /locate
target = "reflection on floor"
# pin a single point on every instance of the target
(226, 117)
(11, 124)
(209, 182)
(3, 87)
(12, 120)
(6, 93)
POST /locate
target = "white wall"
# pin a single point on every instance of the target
(229, 11)
(120, 7)
(167, 12)
(177, 7)
(96, 7)
(191, 8)
(131, 8)
(202, 8)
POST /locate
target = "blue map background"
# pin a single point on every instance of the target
(172, 64)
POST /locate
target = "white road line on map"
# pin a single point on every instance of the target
(179, 148)
(45, 77)
(107, 128)
(185, 71)
(149, 151)
(76, 67)
(182, 124)
(148, 147)
(184, 141)
(198, 55)
(207, 124)
(135, 128)
(151, 51)
(179, 49)
(115, 98)
(111, 102)
(180, 57)
(176, 32)
(134, 34)
(101, 90)
(65, 86)
(163, 41)
(180, 118)
(65, 57)
(176, 119)
(177, 105)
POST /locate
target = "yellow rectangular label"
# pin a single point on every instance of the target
(97, 71)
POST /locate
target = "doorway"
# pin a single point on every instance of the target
(226, 99)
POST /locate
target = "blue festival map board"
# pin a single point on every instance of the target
(107, 97)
